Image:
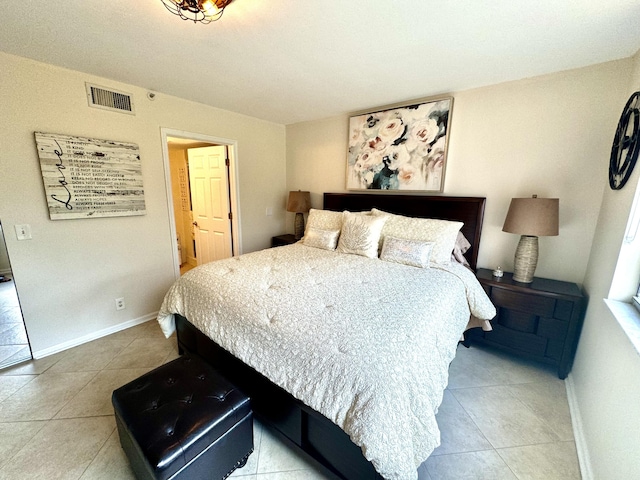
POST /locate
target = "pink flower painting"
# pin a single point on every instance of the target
(403, 148)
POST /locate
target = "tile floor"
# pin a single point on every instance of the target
(14, 345)
(501, 418)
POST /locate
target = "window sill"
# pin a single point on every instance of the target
(628, 318)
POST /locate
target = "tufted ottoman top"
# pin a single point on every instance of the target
(177, 410)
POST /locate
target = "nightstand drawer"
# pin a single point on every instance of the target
(552, 328)
(521, 341)
(564, 310)
(517, 320)
(535, 304)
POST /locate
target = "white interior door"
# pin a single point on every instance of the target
(208, 179)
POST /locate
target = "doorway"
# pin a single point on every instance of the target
(201, 183)
(14, 343)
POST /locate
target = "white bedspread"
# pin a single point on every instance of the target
(367, 343)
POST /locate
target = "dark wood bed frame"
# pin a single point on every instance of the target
(302, 426)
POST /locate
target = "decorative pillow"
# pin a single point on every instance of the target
(442, 233)
(409, 252)
(360, 234)
(325, 239)
(323, 220)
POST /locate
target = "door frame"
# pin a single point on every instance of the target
(232, 148)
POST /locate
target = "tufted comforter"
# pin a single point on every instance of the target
(367, 343)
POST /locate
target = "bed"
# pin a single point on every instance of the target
(289, 326)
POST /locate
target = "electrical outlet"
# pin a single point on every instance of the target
(120, 303)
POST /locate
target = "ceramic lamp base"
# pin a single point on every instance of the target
(298, 226)
(526, 259)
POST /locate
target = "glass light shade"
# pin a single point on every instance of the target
(204, 11)
(209, 7)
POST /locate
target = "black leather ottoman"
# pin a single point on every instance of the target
(183, 420)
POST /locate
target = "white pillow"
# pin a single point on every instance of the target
(360, 234)
(443, 233)
(409, 252)
(323, 220)
(325, 239)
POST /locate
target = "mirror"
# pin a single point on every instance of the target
(14, 343)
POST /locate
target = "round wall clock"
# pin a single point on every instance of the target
(626, 144)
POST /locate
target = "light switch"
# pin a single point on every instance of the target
(269, 211)
(23, 232)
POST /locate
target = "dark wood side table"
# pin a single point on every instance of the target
(541, 320)
(280, 240)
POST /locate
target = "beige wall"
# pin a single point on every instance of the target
(606, 372)
(69, 274)
(548, 135)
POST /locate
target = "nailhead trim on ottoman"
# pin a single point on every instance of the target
(183, 420)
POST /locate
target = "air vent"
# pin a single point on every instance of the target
(109, 99)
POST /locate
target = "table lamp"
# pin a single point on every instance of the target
(531, 218)
(299, 203)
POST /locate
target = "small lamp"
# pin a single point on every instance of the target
(299, 203)
(531, 218)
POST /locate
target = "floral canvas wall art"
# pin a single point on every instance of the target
(402, 148)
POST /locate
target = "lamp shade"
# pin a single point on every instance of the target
(299, 202)
(532, 217)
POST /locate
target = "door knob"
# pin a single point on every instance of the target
(195, 224)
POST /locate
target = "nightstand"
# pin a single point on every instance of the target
(280, 240)
(541, 320)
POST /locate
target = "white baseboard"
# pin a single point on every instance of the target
(93, 336)
(578, 431)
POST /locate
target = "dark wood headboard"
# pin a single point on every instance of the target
(469, 210)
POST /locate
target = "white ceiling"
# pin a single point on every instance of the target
(295, 60)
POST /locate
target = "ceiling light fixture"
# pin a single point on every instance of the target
(205, 11)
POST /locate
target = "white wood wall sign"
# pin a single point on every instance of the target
(88, 177)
